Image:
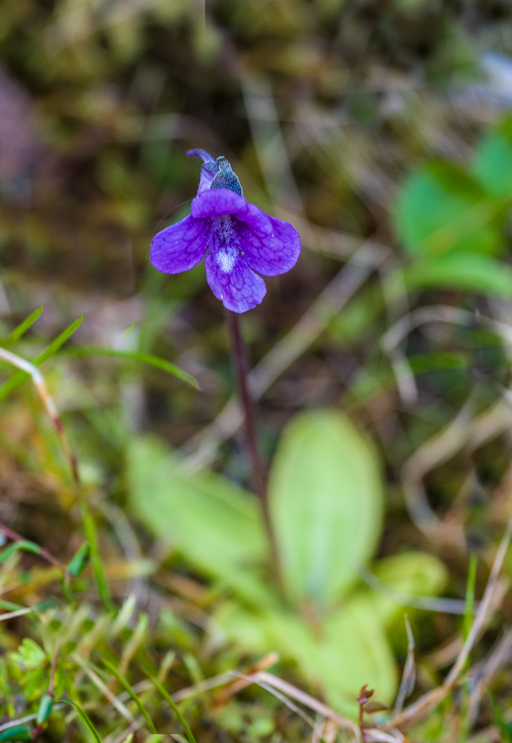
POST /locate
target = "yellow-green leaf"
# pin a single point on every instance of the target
(326, 503)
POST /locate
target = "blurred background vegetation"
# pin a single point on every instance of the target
(381, 363)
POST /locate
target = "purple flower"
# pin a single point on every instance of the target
(237, 240)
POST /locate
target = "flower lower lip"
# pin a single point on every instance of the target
(226, 261)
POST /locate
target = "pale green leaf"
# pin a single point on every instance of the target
(355, 642)
(215, 524)
(244, 627)
(409, 575)
(338, 656)
(326, 502)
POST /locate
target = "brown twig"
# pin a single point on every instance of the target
(409, 675)
(308, 701)
(499, 656)
(278, 695)
(240, 683)
(53, 671)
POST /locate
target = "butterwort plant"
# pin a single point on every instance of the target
(239, 244)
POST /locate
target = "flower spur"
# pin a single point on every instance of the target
(236, 239)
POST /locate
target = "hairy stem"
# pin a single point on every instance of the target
(258, 471)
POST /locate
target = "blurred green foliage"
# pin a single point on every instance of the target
(326, 501)
(372, 127)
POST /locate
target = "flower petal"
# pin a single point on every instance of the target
(181, 246)
(208, 171)
(232, 281)
(269, 254)
(207, 176)
(216, 203)
(222, 201)
(256, 219)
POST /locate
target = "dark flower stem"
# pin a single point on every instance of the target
(258, 470)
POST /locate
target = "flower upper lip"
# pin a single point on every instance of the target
(216, 203)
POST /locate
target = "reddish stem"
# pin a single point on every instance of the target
(258, 473)
(15, 537)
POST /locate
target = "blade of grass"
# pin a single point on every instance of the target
(9, 606)
(19, 377)
(126, 686)
(96, 564)
(22, 328)
(469, 605)
(504, 727)
(49, 404)
(88, 669)
(174, 706)
(145, 358)
(60, 340)
(85, 719)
